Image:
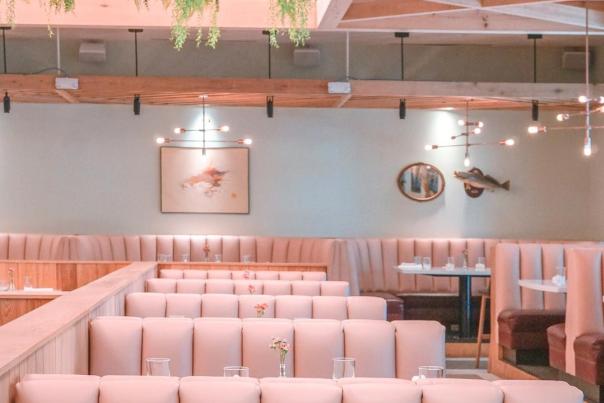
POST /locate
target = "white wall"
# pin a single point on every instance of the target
(95, 169)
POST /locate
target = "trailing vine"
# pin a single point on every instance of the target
(293, 12)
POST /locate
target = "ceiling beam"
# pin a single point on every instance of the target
(496, 3)
(558, 13)
(378, 9)
(331, 12)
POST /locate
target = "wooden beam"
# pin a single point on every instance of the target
(377, 9)
(331, 12)
(67, 96)
(558, 13)
(343, 100)
(496, 3)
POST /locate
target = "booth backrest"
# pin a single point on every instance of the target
(148, 304)
(242, 275)
(120, 389)
(199, 248)
(204, 346)
(34, 247)
(240, 287)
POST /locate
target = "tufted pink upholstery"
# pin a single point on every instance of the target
(34, 247)
(216, 344)
(176, 344)
(115, 346)
(135, 389)
(145, 304)
(130, 389)
(375, 358)
(241, 287)
(58, 389)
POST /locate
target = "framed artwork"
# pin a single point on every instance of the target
(216, 183)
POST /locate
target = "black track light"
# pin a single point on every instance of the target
(269, 107)
(402, 109)
(535, 111)
(136, 104)
(6, 102)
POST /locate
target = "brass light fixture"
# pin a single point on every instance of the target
(470, 128)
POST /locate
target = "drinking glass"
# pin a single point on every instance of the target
(235, 371)
(480, 263)
(27, 283)
(184, 258)
(218, 258)
(158, 366)
(417, 260)
(561, 271)
(450, 263)
(343, 367)
(164, 257)
(427, 263)
(427, 372)
(246, 259)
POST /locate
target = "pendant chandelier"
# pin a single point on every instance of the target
(590, 104)
(470, 128)
(204, 130)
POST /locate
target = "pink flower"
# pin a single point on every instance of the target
(260, 309)
(251, 289)
(246, 275)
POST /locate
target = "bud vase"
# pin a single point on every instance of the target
(282, 370)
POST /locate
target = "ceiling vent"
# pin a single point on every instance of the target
(92, 52)
(573, 60)
(307, 57)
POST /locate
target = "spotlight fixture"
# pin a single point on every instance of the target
(269, 107)
(402, 109)
(204, 130)
(535, 111)
(535, 103)
(590, 106)
(6, 100)
(136, 105)
(471, 128)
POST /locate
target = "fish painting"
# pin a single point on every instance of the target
(210, 180)
(476, 179)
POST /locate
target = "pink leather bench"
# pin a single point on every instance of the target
(239, 287)
(204, 346)
(242, 274)
(120, 389)
(147, 304)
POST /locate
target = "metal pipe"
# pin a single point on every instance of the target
(58, 50)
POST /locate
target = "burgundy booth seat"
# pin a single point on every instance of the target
(243, 275)
(526, 329)
(126, 389)
(146, 304)
(556, 340)
(589, 358)
(240, 287)
(204, 346)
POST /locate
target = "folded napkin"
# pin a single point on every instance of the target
(48, 289)
(410, 266)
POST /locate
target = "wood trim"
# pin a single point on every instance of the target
(54, 337)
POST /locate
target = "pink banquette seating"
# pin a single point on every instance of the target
(204, 346)
(268, 287)
(34, 247)
(123, 389)
(242, 274)
(146, 304)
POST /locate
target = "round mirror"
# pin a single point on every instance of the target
(421, 182)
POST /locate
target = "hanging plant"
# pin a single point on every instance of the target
(50, 6)
(295, 12)
(183, 11)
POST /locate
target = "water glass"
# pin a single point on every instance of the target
(427, 263)
(158, 366)
(561, 271)
(184, 258)
(237, 372)
(430, 372)
(27, 283)
(343, 367)
(246, 259)
(480, 264)
(417, 261)
(217, 258)
(164, 257)
(450, 263)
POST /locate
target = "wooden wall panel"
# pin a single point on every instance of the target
(54, 337)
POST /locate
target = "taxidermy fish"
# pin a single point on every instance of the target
(477, 180)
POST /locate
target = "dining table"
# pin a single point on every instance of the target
(465, 275)
(543, 285)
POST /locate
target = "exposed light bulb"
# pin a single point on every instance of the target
(601, 100)
(509, 142)
(480, 124)
(466, 162)
(224, 128)
(537, 129)
(430, 147)
(601, 109)
(247, 142)
(179, 130)
(477, 130)
(587, 150)
(583, 99)
(561, 117)
(160, 140)
(461, 122)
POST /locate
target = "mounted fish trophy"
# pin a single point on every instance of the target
(475, 182)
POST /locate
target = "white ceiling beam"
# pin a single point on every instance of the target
(510, 91)
(331, 12)
(558, 13)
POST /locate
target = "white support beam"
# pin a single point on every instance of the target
(558, 13)
(557, 92)
(331, 12)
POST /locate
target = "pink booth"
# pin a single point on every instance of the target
(204, 346)
(120, 389)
